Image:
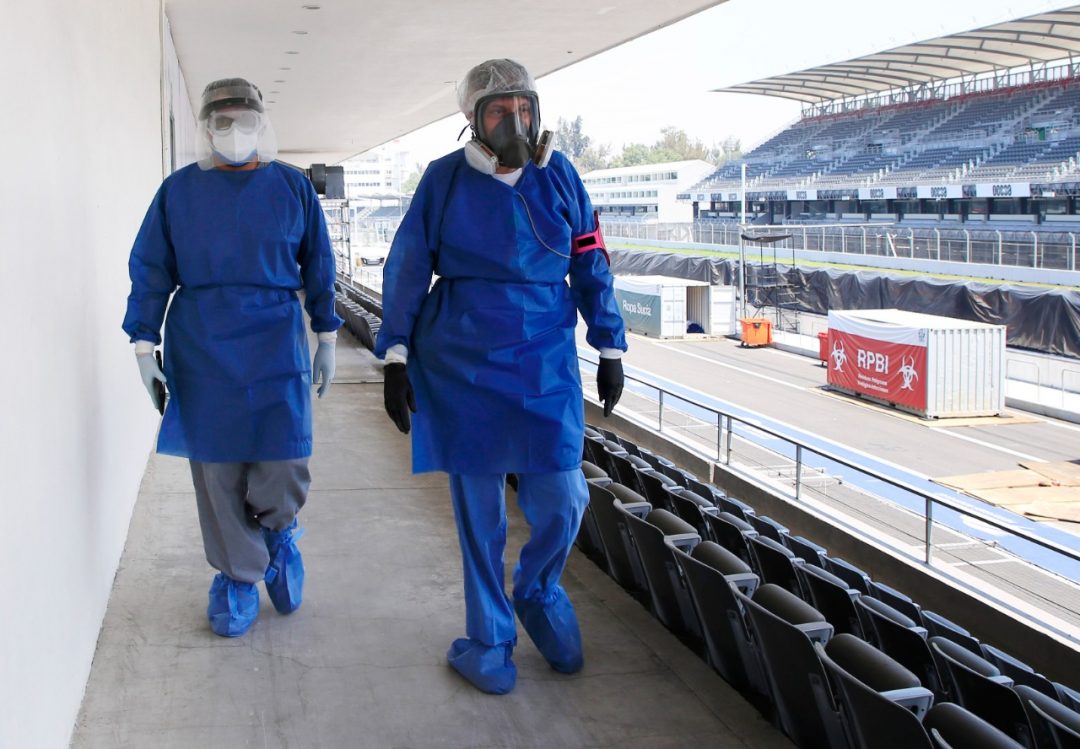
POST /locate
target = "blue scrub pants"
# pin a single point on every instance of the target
(237, 500)
(553, 504)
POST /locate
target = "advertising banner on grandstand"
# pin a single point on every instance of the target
(878, 359)
(1007, 190)
(939, 192)
(877, 193)
(802, 194)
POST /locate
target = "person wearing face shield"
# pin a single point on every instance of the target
(483, 368)
(225, 247)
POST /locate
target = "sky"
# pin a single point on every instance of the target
(666, 78)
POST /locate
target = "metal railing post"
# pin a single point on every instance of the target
(660, 413)
(1001, 247)
(864, 240)
(911, 251)
(805, 246)
(719, 435)
(967, 250)
(929, 530)
(727, 457)
(1035, 250)
(798, 472)
(938, 235)
(1072, 252)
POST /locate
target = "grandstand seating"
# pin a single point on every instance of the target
(764, 618)
(1020, 134)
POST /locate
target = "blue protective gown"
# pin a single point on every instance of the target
(492, 356)
(236, 246)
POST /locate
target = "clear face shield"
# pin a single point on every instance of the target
(233, 128)
(509, 124)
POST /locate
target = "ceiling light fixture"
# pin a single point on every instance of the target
(292, 52)
(284, 68)
(311, 7)
(279, 80)
(301, 33)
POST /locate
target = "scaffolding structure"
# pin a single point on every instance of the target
(767, 288)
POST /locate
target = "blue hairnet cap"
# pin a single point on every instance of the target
(230, 92)
(493, 77)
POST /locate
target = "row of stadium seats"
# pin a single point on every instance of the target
(1002, 134)
(361, 313)
(835, 658)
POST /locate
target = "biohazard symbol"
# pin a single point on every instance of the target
(838, 356)
(908, 373)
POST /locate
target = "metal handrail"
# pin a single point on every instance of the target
(823, 449)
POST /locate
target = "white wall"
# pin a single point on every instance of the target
(80, 148)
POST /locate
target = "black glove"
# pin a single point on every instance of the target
(609, 383)
(398, 396)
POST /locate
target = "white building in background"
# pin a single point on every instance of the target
(377, 175)
(647, 191)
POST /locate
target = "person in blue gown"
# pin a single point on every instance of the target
(487, 361)
(231, 240)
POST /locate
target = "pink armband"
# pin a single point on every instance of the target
(594, 240)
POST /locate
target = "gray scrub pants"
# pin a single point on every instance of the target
(237, 500)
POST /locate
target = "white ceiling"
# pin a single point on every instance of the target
(367, 72)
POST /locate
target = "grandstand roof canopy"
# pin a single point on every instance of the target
(344, 76)
(1040, 38)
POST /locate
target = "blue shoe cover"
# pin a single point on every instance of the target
(553, 627)
(487, 668)
(285, 574)
(233, 606)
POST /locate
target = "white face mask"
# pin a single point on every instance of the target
(235, 147)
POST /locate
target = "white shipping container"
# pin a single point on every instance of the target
(953, 367)
(678, 303)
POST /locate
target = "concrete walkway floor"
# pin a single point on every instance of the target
(362, 663)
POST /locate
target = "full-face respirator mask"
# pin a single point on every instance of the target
(506, 132)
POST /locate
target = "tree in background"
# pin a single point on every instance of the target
(408, 187)
(673, 145)
(570, 139)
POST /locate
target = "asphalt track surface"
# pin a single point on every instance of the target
(790, 388)
(786, 392)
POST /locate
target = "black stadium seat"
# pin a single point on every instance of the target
(1018, 671)
(776, 564)
(849, 573)
(904, 641)
(766, 526)
(713, 574)
(1053, 725)
(733, 534)
(981, 688)
(653, 533)
(938, 626)
(691, 507)
(786, 629)
(614, 535)
(810, 552)
(882, 703)
(835, 600)
(953, 727)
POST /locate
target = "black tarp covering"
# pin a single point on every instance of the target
(1046, 320)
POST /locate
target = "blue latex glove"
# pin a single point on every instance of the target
(150, 372)
(609, 383)
(324, 366)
